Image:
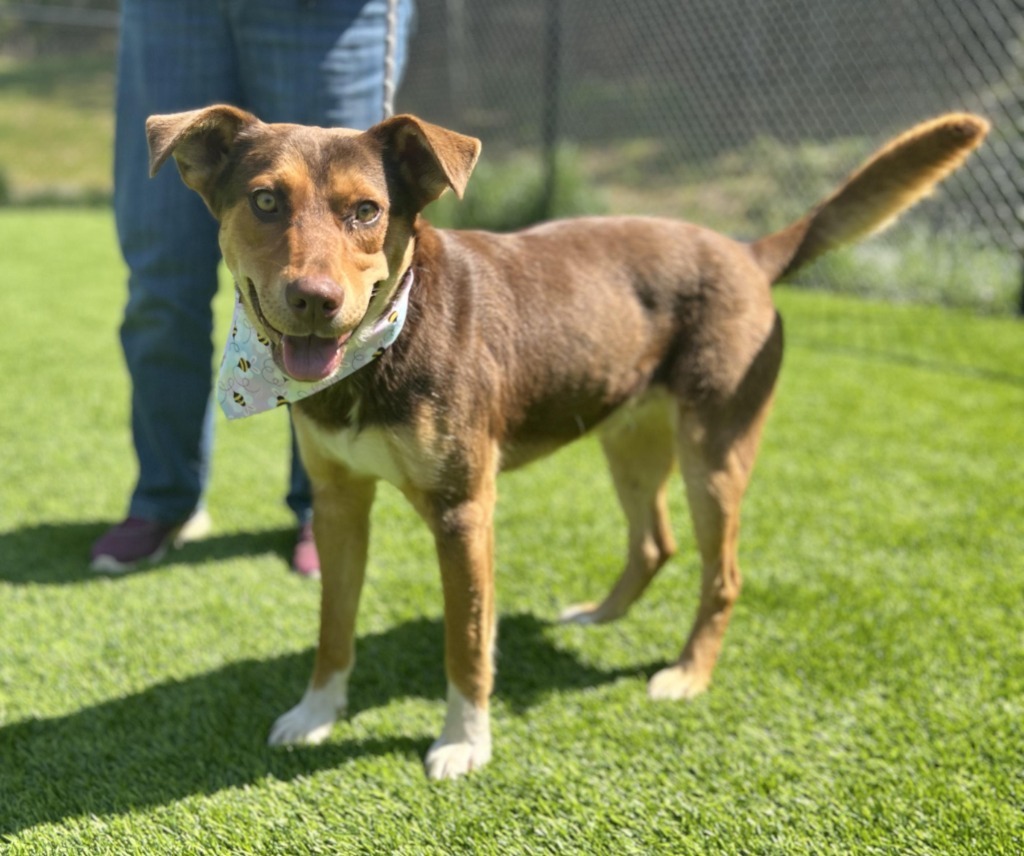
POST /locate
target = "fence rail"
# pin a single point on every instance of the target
(66, 16)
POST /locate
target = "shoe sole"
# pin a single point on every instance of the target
(110, 565)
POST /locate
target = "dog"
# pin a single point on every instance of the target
(658, 336)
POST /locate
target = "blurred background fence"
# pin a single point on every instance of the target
(734, 113)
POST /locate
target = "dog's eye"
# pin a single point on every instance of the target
(265, 202)
(367, 212)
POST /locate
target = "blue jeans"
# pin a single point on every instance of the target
(317, 63)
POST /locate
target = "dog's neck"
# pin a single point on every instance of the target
(250, 382)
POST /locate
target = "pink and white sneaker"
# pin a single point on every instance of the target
(305, 559)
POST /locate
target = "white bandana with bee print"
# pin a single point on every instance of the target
(249, 381)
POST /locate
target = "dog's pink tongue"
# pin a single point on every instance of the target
(310, 358)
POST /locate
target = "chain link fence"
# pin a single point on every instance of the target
(737, 114)
(741, 113)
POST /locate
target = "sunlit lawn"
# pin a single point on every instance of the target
(869, 699)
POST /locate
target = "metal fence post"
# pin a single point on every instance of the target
(552, 101)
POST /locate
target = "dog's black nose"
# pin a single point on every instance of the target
(314, 298)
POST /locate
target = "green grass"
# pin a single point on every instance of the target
(870, 697)
(57, 128)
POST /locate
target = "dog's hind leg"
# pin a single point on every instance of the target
(639, 445)
(718, 444)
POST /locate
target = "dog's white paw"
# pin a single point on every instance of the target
(451, 760)
(465, 743)
(579, 613)
(311, 720)
(676, 683)
(590, 613)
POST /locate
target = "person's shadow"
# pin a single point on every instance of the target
(208, 732)
(58, 553)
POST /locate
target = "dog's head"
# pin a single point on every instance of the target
(314, 222)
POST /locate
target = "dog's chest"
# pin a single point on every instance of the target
(367, 452)
(392, 454)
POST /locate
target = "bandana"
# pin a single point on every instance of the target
(249, 380)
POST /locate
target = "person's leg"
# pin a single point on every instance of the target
(316, 64)
(174, 55)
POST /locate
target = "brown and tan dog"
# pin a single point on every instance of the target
(658, 335)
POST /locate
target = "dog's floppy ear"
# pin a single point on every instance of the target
(430, 158)
(199, 140)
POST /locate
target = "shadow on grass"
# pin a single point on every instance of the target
(905, 360)
(58, 553)
(207, 733)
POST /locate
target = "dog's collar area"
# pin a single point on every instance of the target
(250, 381)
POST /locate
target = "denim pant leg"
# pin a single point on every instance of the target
(174, 55)
(321, 64)
(317, 63)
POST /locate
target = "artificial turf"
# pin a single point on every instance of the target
(870, 696)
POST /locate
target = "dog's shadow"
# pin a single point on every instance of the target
(207, 733)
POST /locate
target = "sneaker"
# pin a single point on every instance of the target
(135, 540)
(305, 559)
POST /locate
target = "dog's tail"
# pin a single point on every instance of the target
(893, 179)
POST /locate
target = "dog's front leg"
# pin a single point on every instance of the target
(341, 526)
(464, 532)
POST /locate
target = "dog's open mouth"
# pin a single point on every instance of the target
(312, 358)
(306, 358)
